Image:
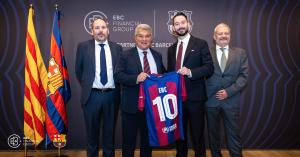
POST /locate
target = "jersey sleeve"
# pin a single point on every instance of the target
(183, 89)
(141, 103)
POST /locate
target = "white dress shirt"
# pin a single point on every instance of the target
(185, 42)
(152, 63)
(110, 79)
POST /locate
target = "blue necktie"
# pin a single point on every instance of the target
(103, 71)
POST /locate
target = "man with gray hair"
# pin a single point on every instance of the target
(224, 88)
(133, 68)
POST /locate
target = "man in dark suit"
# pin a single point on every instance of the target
(224, 90)
(95, 63)
(133, 68)
(190, 56)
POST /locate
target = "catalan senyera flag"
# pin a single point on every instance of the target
(35, 86)
(59, 91)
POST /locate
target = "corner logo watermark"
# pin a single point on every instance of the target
(14, 141)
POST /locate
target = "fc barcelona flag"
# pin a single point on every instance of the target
(59, 91)
(35, 86)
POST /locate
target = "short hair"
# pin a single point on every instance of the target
(97, 18)
(179, 14)
(221, 25)
(142, 26)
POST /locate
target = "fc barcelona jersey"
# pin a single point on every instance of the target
(161, 97)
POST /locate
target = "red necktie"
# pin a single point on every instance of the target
(179, 56)
(146, 64)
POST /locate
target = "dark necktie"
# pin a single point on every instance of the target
(179, 56)
(223, 60)
(146, 64)
(103, 70)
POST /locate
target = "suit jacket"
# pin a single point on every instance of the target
(198, 59)
(233, 79)
(85, 66)
(127, 70)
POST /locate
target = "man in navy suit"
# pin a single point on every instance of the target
(224, 89)
(95, 63)
(190, 56)
(133, 68)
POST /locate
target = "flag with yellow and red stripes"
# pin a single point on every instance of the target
(35, 86)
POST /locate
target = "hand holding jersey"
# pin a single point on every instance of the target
(185, 71)
(141, 77)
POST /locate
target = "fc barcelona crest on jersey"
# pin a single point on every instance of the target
(174, 12)
(59, 140)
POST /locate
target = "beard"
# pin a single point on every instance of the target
(179, 33)
(100, 37)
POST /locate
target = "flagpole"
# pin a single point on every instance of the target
(25, 152)
(58, 140)
(56, 8)
(25, 141)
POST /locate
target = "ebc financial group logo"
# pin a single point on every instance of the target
(90, 17)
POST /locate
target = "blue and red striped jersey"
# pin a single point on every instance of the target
(162, 97)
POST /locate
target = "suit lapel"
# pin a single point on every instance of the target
(173, 55)
(188, 49)
(137, 59)
(215, 59)
(229, 59)
(91, 51)
(156, 59)
(113, 53)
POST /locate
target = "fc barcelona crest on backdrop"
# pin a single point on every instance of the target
(174, 12)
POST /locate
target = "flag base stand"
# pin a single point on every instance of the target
(59, 154)
(59, 141)
(25, 151)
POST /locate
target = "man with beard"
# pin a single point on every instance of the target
(224, 90)
(100, 94)
(190, 56)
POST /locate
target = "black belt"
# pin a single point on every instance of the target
(103, 90)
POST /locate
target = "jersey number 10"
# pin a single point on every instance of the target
(163, 106)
